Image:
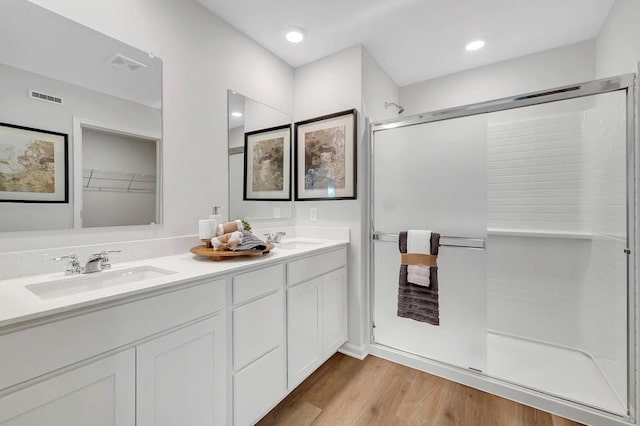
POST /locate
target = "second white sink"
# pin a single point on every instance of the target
(99, 280)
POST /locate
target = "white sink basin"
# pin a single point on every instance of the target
(292, 245)
(96, 281)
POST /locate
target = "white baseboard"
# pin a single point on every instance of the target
(358, 352)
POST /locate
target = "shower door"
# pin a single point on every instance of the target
(433, 176)
(534, 198)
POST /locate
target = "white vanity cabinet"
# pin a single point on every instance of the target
(259, 366)
(316, 312)
(203, 352)
(100, 393)
(169, 365)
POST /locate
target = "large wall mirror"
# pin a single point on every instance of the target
(260, 148)
(80, 125)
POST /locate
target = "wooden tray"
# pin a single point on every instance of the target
(203, 250)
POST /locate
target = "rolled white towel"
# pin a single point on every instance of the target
(419, 241)
(227, 241)
(226, 228)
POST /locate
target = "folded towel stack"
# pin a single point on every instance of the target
(229, 227)
(416, 300)
(250, 242)
(227, 242)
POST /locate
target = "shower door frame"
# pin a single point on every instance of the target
(626, 83)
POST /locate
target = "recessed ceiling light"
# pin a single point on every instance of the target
(475, 45)
(236, 114)
(295, 35)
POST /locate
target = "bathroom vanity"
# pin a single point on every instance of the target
(196, 342)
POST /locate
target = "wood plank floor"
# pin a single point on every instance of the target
(346, 391)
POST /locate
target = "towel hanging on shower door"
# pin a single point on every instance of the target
(415, 301)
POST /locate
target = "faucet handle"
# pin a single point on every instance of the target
(106, 252)
(71, 256)
(104, 258)
(73, 267)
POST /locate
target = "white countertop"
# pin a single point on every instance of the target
(18, 304)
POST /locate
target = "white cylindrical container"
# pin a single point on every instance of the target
(207, 228)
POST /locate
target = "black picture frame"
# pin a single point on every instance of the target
(347, 118)
(60, 158)
(250, 193)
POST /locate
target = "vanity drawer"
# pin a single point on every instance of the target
(257, 283)
(310, 267)
(258, 327)
(257, 388)
(44, 348)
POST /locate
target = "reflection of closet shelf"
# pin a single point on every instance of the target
(112, 181)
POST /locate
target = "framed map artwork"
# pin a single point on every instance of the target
(34, 165)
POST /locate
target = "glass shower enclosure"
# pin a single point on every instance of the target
(534, 199)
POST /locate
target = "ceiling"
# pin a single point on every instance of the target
(415, 40)
(42, 42)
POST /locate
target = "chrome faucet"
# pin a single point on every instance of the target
(274, 237)
(98, 262)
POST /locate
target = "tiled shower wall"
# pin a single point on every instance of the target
(536, 182)
(563, 173)
(536, 174)
(604, 291)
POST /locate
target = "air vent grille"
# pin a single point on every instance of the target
(34, 94)
(123, 62)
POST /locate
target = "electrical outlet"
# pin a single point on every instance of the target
(276, 212)
(313, 214)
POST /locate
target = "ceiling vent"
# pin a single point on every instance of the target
(125, 63)
(34, 94)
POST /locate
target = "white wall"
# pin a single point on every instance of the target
(377, 88)
(326, 86)
(203, 56)
(618, 43)
(345, 80)
(552, 68)
(17, 108)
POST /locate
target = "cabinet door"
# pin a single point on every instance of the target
(334, 311)
(257, 329)
(182, 377)
(98, 394)
(304, 322)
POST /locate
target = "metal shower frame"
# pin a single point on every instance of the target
(626, 83)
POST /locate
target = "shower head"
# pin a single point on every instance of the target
(400, 107)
